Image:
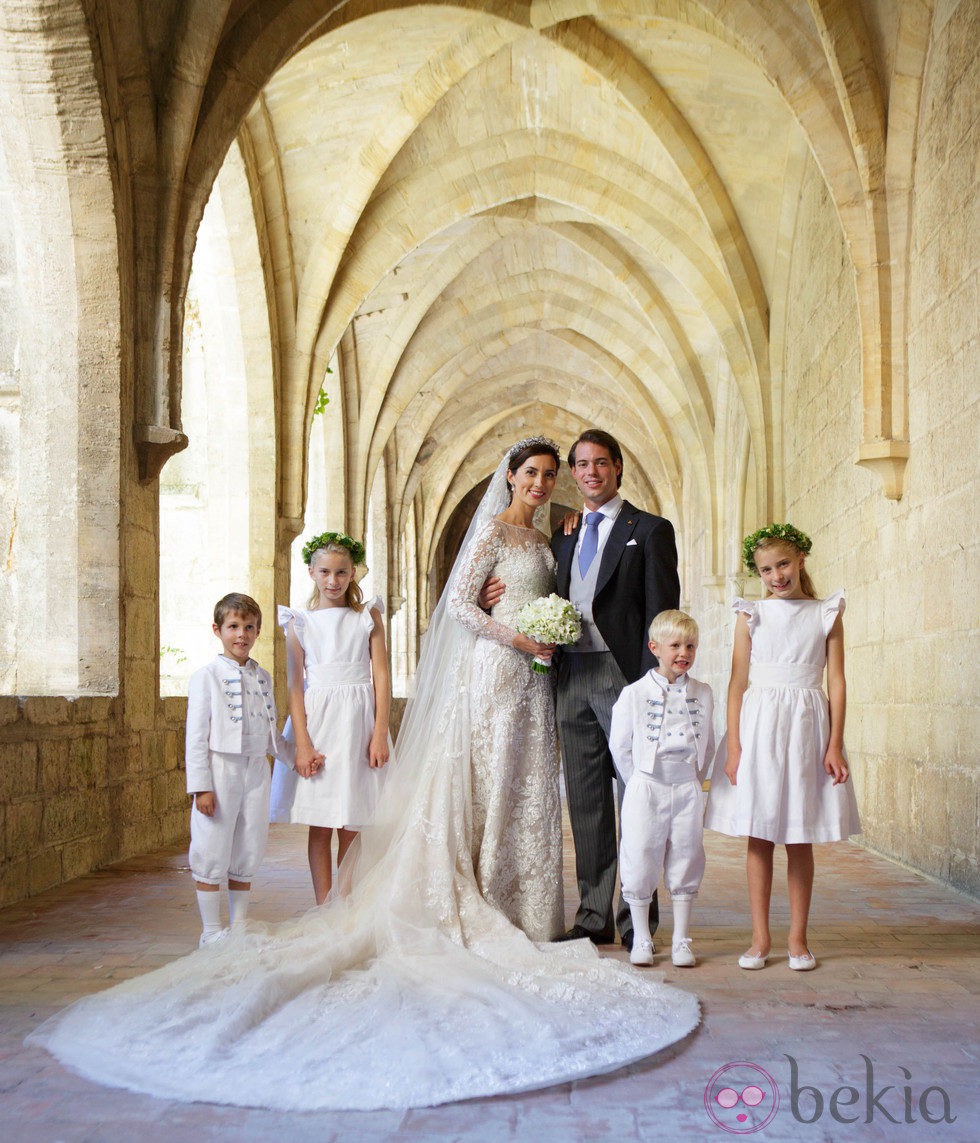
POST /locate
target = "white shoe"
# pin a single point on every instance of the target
(213, 938)
(751, 961)
(642, 951)
(804, 963)
(682, 954)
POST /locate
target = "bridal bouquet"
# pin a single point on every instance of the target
(549, 619)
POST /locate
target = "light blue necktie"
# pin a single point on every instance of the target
(590, 542)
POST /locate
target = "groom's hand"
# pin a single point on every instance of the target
(491, 593)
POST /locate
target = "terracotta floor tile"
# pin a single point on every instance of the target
(897, 982)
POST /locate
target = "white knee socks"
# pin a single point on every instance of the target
(238, 906)
(682, 918)
(641, 919)
(209, 905)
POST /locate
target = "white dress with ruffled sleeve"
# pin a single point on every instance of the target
(783, 793)
(339, 717)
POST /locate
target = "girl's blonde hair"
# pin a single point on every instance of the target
(353, 597)
(806, 584)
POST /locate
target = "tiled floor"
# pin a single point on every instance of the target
(895, 994)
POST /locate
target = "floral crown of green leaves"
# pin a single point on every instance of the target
(784, 532)
(341, 539)
(544, 442)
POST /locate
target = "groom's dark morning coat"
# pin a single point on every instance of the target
(636, 580)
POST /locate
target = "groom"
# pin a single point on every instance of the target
(619, 568)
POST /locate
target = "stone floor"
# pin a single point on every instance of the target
(895, 995)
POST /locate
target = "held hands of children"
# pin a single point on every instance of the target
(308, 762)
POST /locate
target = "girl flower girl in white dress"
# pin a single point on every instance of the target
(339, 701)
(783, 777)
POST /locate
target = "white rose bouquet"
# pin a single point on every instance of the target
(549, 619)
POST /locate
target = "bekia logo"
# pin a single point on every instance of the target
(742, 1098)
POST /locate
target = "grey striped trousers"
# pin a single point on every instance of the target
(588, 686)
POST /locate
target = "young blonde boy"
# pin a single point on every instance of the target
(231, 729)
(661, 740)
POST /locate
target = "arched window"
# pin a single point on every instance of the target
(217, 497)
(59, 373)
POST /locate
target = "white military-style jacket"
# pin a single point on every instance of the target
(637, 720)
(214, 718)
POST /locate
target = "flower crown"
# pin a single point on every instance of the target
(785, 532)
(544, 442)
(341, 539)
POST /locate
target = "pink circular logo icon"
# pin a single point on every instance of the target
(741, 1098)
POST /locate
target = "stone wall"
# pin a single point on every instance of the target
(79, 792)
(933, 544)
(910, 567)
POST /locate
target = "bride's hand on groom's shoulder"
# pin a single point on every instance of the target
(570, 522)
(491, 593)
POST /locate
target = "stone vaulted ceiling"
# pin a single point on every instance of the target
(508, 229)
(538, 215)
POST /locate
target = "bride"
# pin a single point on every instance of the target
(516, 831)
(415, 988)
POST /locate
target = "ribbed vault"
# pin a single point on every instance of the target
(575, 212)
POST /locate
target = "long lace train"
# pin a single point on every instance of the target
(412, 991)
(261, 1024)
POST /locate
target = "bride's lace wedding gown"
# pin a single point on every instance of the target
(516, 843)
(413, 989)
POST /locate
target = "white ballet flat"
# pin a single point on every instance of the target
(746, 960)
(804, 963)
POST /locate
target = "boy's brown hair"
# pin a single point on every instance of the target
(238, 604)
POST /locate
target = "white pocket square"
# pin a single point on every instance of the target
(631, 543)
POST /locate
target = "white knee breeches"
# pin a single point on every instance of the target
(661, 833)
(232, 842)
